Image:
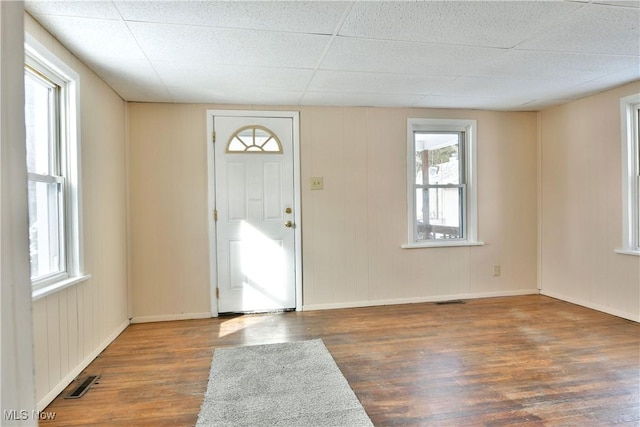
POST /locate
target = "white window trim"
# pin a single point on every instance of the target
(629, 106)
(471, 207)
(39, 57)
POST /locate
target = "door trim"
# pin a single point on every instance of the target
(211, 194)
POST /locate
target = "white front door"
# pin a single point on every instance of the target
(255, 202)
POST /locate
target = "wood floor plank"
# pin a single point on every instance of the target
(525, 361)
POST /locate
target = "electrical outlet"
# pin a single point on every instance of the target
(317, 183)
(496, 270)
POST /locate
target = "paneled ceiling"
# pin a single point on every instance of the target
(496, 55)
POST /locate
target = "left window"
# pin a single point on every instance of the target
(53, 170)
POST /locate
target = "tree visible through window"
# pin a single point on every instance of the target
(440, 185)
(442, 192)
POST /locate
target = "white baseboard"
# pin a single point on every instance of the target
(169, 317)
(53, 393)
(593, 306)
(436, 298)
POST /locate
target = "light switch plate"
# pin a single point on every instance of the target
(317, 183)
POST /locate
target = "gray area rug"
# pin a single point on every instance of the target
(289, 384)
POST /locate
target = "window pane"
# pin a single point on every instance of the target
(246, 136)
(38, 115)
(45, 229)
(439, 213)
(271, 145)
(236, 145)
(254, 139)
(636, 126)
(261, 137)
(637, 142)
(437, 157)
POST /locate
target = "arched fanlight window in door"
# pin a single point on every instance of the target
(254, 139)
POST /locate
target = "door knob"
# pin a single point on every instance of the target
(288, 224)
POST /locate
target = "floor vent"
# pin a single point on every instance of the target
(455, 301)
(83, 388)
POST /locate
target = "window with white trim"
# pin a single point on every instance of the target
(630, 140)
(53, 170)
(441, 183)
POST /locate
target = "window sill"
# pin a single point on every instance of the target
(444, 244)
(635, 252)
(58, 286)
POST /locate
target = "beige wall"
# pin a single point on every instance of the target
(72, 326)
(168, 212)
(353, 229)
(581, 220)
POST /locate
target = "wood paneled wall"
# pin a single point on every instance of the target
(352, 230)
(581, 194)
(168, 212)
(72, 326)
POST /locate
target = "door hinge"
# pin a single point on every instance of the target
(213, 137)
(215, 214)
(217, 292)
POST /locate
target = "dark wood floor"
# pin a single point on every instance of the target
(527, 360)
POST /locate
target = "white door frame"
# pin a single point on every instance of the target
(211, 192)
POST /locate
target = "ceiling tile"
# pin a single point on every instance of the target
(554, 65)
(459, 54)
(482, 23)
(175, 43)
(319, 17)
(621, 77)
(271, 48)
(506, 88)
(593, 29)
(213, 76)
(93, 40)
(348, 81)
(195, 45)
(348, 54)
(359, 99)
(539, 104)
(234, 96)
(80, 9)
(139, 93)
(135, 72)
(484, 103)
